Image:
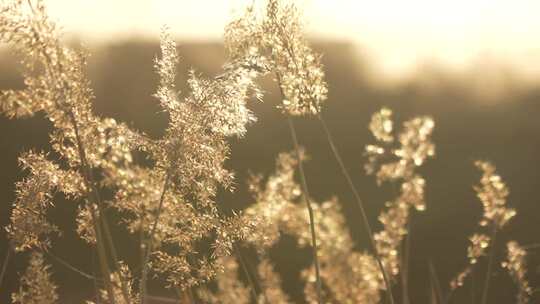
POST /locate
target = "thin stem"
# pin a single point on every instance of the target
(450, 294)
(305, 194)
(142, 246)
(96, 286)
(473, 287)
(5, 263)
(100, 220)
(436, 282)
(432, 295)
(110, 241)
(405, 266)
(102, 254)
(148, 250)
(360, 204)
(490, 266)
(69, 266)
(246, 272)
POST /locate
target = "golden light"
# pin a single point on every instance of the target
(399, 36)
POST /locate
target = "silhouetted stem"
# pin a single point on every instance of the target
(69, 266)
(405, 266)
(253, 281)
(5, 263)
(490, 266)
(96, 285)
(305, 194)
(102, 254)
(435, 282)
(305, 191)
(148, 250)
(246, 272)
(99, 220)
(473, 287)
(360, 204)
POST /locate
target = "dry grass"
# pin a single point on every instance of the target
(169, 201)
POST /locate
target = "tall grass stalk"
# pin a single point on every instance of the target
(473, 287)
(305, 190)
(94, 196)
(360, 205)
(305, 194)
(66, 264)
(148, 245)
(489, 271)
(247, 273)
(98, 219)
(404, 274)
(5, 264)
(436, 284)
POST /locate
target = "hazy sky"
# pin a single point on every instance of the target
(397, 35)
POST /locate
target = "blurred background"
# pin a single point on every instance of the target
(474, 66)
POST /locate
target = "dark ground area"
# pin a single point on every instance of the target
(506, 133)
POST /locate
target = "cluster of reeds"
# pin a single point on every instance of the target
(169, 201)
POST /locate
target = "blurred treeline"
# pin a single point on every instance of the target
(504, 129)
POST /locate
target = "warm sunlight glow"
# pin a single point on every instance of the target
(399, 36)
(269, 151)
